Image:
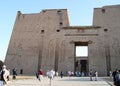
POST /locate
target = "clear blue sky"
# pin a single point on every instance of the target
(80, 13)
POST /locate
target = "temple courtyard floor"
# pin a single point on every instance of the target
(57, 81)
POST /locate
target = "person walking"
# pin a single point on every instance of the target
(96, 75)
(50, 75)
(114, 75)
(4, 75)
(110, 74)
(14, 72)
(117, 78)
(90, 74)
(37, 74)
(56, 73)
(69, 74)
(40, 74)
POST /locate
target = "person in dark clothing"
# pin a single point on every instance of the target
(114, 74)
(21, 71)
(14, 71)
(117, 79)
(3, 78)
(61, 74)
(37, 74)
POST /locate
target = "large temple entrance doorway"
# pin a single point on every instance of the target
(83, 64)
(81, 57)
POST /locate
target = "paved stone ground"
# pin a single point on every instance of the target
(109, 80)
(57, 81)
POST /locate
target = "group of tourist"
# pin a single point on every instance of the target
(81, 73)
(49, 74)
(4, 75)
(93, 73)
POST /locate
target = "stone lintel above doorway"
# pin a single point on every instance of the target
(81, 43)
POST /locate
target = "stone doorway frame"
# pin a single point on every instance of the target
(80, 58)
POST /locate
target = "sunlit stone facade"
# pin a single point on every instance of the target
(46, 41)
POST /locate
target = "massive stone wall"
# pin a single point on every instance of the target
(34, 41)
(108, 17)
(46, 41)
